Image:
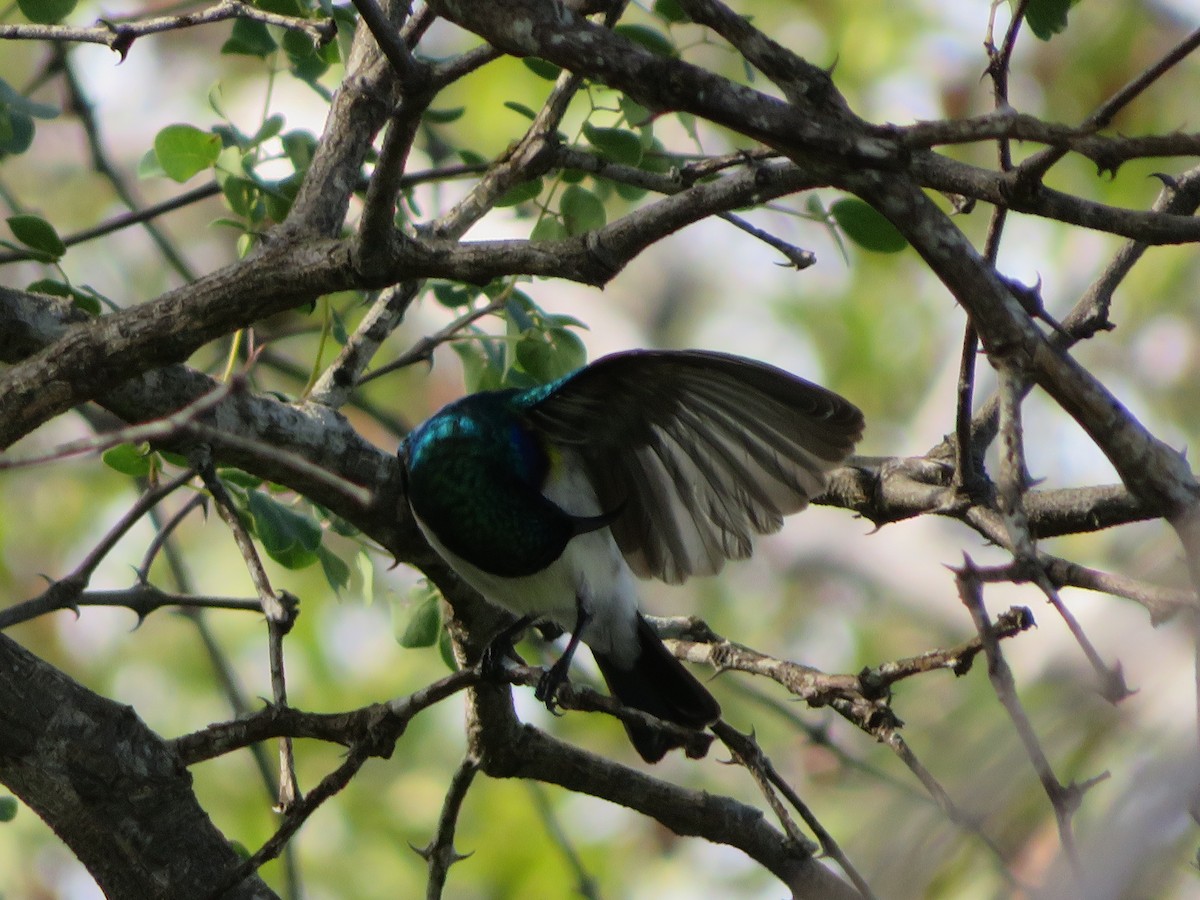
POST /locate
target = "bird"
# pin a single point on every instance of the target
(551, 501)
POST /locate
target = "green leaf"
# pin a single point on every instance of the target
(37, 234)
(671, 11)
(521, 108)
(548, 228)
(453, 295)
(87, 299)
(446, 649)
(89, 305)
(240, 193)
(184, 150)
(279, 199)
(149, 166)
(442, 116)
(520, 309)
(128, 459)
(13, 99)
(16, 131)
(521, 193)
(176, 459)
(551, 355)
(617, 144)
(652, 39)
(249, 38)
(290, 538)
(295, 8)
(560, 320)
(629, 191)
(299, 146)
(581, 210)
(272, 126)
(541, 67)
(655, 157)
(8, 808)
(307, 63)
(46, 12)
(1047, 18)
(366, 571)
(51, 286)
(337, 573)
(866, 227)
(636, 115)
(17, 113)
(483, 369)
(339, 332)
(7, 132)
(336, 523)
(238, 477)
(424, 619)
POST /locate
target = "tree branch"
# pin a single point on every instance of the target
(113, 791)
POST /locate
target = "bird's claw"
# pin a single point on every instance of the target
(491, 663)
(547, 687)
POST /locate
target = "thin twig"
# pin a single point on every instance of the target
(81, 105)
(297, 814)
(158, 429)
(226, 676)
(1090, 314)
(585, 882)
(212, 189)
(956, 814)
(890, 737)
(387, 37)
(141, 599)
(439, 853)
(968, 469)
(1063, 799)
(798, 258)
(1034, 169)
(164, 530)
(280, 611)
(747, 751)
(67, 592)
(119, 36)
(868, 689)
(376, 727)
(423, 349)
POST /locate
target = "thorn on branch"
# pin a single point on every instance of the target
(1168, 181)
(123, 38)
(439, 853)
(1030, 298)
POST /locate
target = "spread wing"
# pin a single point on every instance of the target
(699, 451)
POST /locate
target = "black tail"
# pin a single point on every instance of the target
(658, 684)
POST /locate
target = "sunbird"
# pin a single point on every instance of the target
(649, 463)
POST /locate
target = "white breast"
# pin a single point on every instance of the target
(590, 568)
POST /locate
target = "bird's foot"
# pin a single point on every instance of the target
(499, 649)
(556, 676)
(552, 679)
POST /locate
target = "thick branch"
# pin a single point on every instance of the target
(113, 791)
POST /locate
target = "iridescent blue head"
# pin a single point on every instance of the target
(475, 472)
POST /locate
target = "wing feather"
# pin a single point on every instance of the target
(699, 450)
